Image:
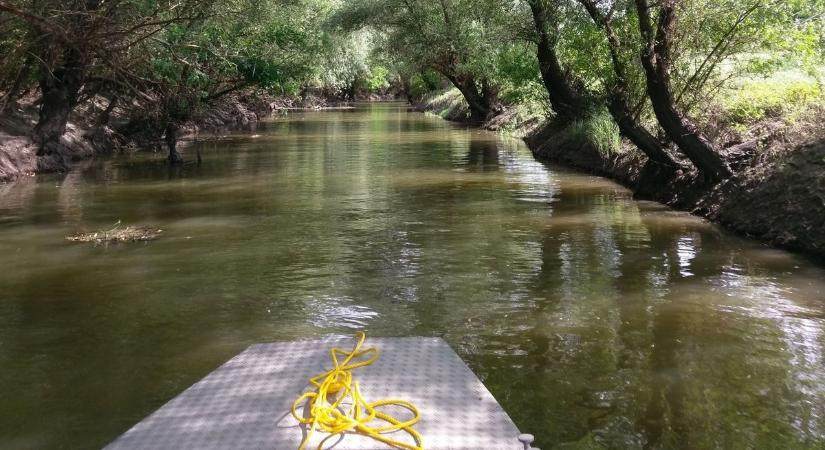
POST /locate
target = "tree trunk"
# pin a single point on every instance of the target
(60, 90)
(566, 101)
(490, 93)
(106, 115)
(172, 142)
(349, 92)
(479, 104)
(655, 57)
(405, 88)
(637, 134)
(618, 104)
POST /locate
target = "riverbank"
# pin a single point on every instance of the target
(776, 195)
(87, 135)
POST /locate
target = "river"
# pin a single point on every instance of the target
(594, 319)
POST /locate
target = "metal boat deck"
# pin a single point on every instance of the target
(245, 403)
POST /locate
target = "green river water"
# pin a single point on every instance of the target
(594, 319)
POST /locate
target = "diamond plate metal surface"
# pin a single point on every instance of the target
(245, 403)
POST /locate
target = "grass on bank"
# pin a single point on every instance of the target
(520, 118)
(786, 95)
(447, 104)
(602, 131)
(782, 99)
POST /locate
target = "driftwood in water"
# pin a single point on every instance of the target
(128, 234)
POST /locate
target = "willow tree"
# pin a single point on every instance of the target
(691, 48)
(657, 25)
(456, 38)
(239, 44)
(621, 83)
(84, 45)
(565, 91)
(168, 59)
(653, 63)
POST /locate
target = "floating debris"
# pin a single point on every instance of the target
(128, 234)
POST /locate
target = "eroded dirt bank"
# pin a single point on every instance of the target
(86, 137)
(777, 194)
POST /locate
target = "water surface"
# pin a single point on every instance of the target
(594, 319)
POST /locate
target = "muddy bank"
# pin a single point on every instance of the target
(777, 194)
(781, 201)
(86, 137)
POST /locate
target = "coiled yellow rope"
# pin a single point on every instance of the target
(336, 406)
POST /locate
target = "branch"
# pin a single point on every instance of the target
(720, 47)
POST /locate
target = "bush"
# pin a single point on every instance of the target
(781, 96)
(601, 130)
(424, 83)
(377, 79)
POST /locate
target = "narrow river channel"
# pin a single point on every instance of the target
(593, 318)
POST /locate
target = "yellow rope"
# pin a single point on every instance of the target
(331, 413)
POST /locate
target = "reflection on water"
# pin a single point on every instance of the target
(594, 319)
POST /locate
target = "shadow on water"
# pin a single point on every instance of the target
(594, 319)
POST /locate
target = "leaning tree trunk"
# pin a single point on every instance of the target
(565, 99)
(60, 89)
(655, 58)
(490, 93)
(636, 133)
(479, 104)
(618, 104)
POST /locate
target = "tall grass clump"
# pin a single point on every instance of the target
(600, 129)
(785, 95)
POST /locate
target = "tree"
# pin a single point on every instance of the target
(87, 44)
(565, 92)
(656, 61)
(236, 45)
(618, 86)
(166, 58)
(457, 38)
